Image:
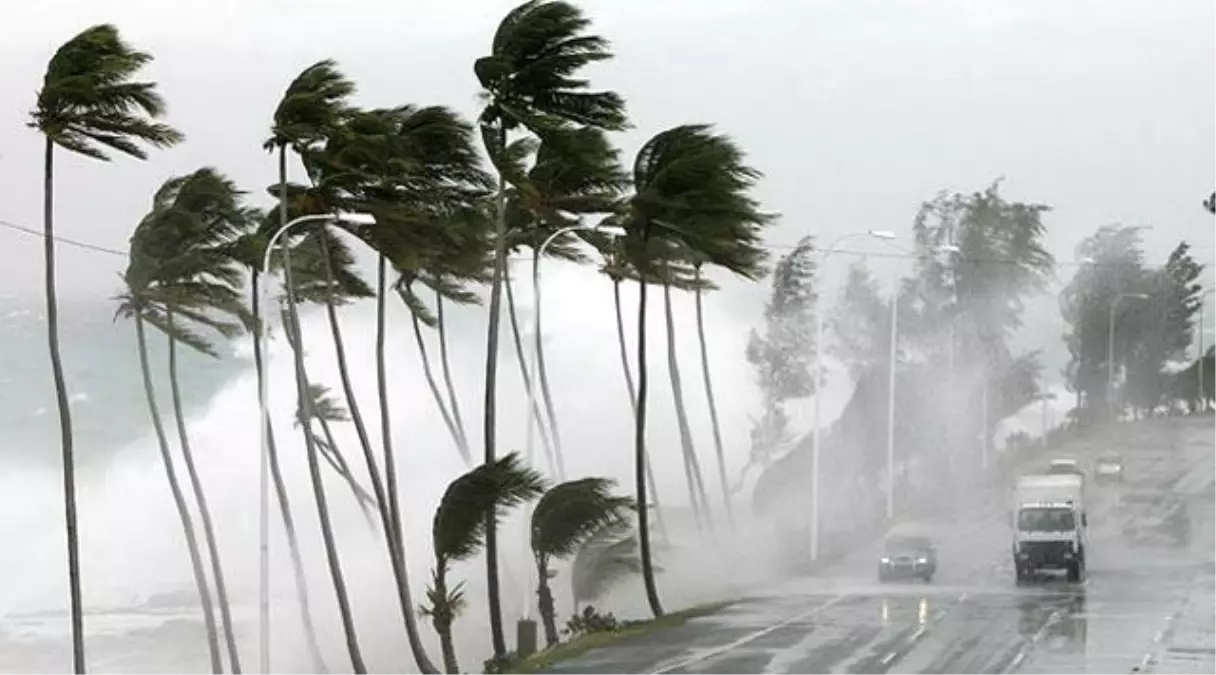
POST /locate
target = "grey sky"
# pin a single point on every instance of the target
(856, 110)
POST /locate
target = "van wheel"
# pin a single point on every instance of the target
(1074, 572)
(1022, 574)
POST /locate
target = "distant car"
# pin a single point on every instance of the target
(907, 557)
(1065, 466)
(1108, 469)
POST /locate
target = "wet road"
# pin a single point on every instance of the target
(1145, 606)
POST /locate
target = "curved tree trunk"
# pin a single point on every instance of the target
(333, 456)
(64, 407)
(543, 376)
(179, 501)
(490, 403)
(280, 489)
(696, 484)
(453, 400)
(545, 605)
(633, 404)
(204, 512)
(713, 405)
(555, 463)
(639, 444)
(314, 469)
(390, 474)
(429, 374)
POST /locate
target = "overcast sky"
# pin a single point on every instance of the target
(856, 110)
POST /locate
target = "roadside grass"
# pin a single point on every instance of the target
(584, 643)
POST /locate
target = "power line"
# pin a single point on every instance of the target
(777, 247)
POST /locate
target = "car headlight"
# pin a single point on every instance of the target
(922, 561)
(885, 561)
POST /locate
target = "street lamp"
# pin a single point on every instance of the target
(1110, 350)
(1203, 400)
(875, 234)
(611, 231)
(263, 404)
(1045, 397)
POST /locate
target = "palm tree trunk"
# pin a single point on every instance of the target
(179, 500)
(639, 443)
(544, 603)
(280, 488)
(453, 400)
(543, 376)
(692, 467)
(314, 469)
(196, 484)
(555, 464)
(633, 405)
(65, 410)
(442, 619)
(448, 421)
(490, 410)
(390, 473)
(333, 456)
(348, 389)
(713, 406)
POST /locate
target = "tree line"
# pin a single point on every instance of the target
(444, 201)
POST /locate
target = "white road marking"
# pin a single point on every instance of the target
(886, 660)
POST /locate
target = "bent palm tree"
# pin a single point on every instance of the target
(470, 506)
(249, 250)
(690, 191)
(530, 79)
(565, 518)
(88, 105)
(313, 103)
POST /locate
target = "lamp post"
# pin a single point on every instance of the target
(876, 234)
(1110, 350)
(1045, 397)
(264, 436)
(1203, 399)
(611, 231)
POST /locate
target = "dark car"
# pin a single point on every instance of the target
(907, 557)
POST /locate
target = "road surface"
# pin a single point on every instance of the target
(1146, 605)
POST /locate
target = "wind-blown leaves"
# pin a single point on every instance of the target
(487, 491)
(571, 512)
(609, 557)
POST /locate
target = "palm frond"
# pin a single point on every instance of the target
(315, 101)
(608, 557)
(487, 491)
(568, 514)
(89, 105)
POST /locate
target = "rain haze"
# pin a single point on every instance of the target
(856, 112)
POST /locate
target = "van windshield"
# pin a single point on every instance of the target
(1051, 519)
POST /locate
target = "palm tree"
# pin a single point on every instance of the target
(90, 106)
(326, 411)
(608, 557)
(690, 191)
(530, 79)
(249, 250)
(470, 507)
(698, 289)
(313, 103)
(618, 270)
(186, 247)
(565, 519)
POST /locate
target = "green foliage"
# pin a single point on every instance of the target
(1148, 333)
(591, 621)
(313, 103)
(861, 323)
(570, 513)
(89, 104)
(486, 492)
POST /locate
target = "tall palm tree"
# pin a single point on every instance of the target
(314, 102)
(530, 79)
(88, 105)
(690, 190)
(470, 506)
(566, 517)
(249, 250)
(326, 412)
(198, 215)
